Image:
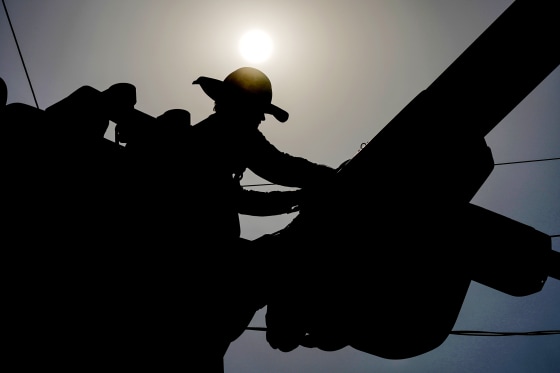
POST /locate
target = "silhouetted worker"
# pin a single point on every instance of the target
(226, 144)
(229, 142)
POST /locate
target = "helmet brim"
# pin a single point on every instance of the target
(214, 88)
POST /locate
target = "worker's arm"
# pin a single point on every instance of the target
(284, 169)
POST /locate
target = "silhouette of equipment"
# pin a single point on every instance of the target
(400, 209)
(86, 230)
(381, 259)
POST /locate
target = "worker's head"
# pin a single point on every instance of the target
(245, 93)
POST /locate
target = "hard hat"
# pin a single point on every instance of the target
(243, 84)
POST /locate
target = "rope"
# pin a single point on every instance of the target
(20, 55)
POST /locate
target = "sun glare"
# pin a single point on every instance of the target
(255, 46)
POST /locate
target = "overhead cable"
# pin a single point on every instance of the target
(530, 161)
(20, 55)
(476, 333)
(495, 164)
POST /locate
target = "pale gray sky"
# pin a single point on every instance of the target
(343, 70)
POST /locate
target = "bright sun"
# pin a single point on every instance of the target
(255, 46)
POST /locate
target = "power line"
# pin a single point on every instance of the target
(254, 185)
(256, 328)
(20, 55)
(495, 164)
(476, 333)
(533, 160)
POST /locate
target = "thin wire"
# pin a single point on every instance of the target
(20, 55)
(253, 185)
(533, 160)
(257, 328)
(495, 164)
(477, 333)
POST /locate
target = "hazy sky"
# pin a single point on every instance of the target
(343, 70)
